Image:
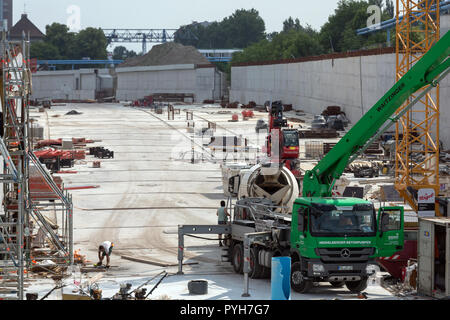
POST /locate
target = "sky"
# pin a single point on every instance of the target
(169, 14)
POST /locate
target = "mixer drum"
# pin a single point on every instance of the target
(271, 182)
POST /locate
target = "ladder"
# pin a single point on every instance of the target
(20, 209)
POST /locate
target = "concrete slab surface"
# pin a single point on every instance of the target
(146, 191)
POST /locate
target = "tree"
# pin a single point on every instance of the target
(58, 35)
(239, 30)
(390, 9)
(190, 35)
(122, 53)
(243, 28)
(289, 24)
(44, 51)
(338, 34)
(91, 43)
(291, 43)
(60, 44)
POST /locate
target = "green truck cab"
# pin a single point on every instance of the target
(335, 240)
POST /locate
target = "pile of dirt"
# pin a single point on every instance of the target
(73, 112)
(167, 54)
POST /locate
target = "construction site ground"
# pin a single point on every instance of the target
(139, 198)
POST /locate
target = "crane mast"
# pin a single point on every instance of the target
(320, 181)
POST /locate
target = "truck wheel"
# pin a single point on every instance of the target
(337, 284)
(356, 286)
(238, 258)
(298, 283)
(267, 273)
(256, 269)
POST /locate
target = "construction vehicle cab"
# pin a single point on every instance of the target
(283, 143)
(336, 239)
(329, 239)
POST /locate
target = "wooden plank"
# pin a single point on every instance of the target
(92, 280)
(67, 296)
(92, 269)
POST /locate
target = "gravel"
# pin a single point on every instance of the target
(170, 53)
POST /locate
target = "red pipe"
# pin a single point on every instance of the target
(82, 188)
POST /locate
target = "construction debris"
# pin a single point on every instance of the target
(318, 134)
(78, 258)
(73, 112)
(101, 153)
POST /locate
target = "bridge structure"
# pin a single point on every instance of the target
(143, 36)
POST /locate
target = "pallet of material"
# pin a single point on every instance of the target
(374, 149)
(78, 297)
(296, 120)
(318, 134)
(327, 147)
(172, 97)
(40, 190)
(332, 111)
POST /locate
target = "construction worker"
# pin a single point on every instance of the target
(345, 221)
(223, 215)
(105, 249)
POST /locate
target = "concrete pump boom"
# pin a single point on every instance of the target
(320, 181)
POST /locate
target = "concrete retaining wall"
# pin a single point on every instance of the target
(138, 82)
(67, 84)
(204, 82)
(355, 83)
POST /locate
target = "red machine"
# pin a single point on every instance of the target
(288, 140)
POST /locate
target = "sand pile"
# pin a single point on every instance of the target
(167, 54)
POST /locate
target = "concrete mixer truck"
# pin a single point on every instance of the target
(328, 239)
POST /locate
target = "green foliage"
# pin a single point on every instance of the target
(338, 34)
(58, 36)
(390, 9)
(244, 29)
(239, 30)
(60, 44)
(290, 24)
(294, 42)
(91, 43)
(122, 53)
(44, 51)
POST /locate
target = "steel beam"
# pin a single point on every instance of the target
(199, 229)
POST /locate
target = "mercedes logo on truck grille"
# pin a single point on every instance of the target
(345, 253)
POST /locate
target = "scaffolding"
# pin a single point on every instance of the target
(417, 132)
(22, 218)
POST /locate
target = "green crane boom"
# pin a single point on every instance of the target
(320, 181)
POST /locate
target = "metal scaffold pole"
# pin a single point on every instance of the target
(23, 227)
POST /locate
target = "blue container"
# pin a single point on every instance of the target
(281, 278)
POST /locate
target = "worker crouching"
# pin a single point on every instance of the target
(105, 250)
